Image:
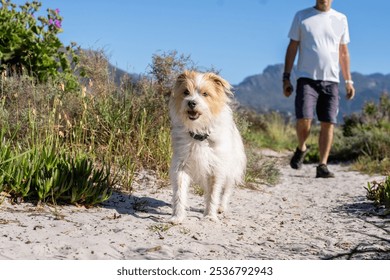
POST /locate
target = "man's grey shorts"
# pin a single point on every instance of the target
(320, 95)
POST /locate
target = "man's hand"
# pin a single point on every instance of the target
(350, 91)
(287, 88)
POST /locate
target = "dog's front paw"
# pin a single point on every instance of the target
(212, 218)
(176, 220)
(221, 210)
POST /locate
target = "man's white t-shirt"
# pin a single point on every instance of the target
(320, 35)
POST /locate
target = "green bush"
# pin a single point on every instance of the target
(379, 192)
(49, 174)
(366, 137)
(31, 45)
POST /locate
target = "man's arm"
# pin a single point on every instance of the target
(345, 70)
(291, 53)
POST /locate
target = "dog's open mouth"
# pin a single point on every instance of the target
(193, 115)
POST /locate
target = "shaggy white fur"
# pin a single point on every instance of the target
(207, 147)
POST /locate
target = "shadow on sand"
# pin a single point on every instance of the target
(126, 204)
(377, 246)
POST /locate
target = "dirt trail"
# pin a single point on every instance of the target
(300, 218)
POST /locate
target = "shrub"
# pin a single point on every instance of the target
(260, 169)
(379, 192)
(46, 173)
(366, 136)
(165, 68)
(32, 46)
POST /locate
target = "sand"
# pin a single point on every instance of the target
(300, 218)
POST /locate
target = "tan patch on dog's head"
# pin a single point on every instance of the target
(216, 91)
(213, 89)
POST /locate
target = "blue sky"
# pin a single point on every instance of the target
(238, 37)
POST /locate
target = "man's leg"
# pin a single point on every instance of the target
(303, 127)
(305, 102)
(325, 141)
(327, 110)
(303, 131)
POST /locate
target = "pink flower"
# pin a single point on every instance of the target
(57, 11)
(57, 23)
(50, 21)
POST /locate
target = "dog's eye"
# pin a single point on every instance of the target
(186, 92)
(205, 94)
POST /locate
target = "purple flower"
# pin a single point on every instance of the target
(57, 11)
(50, 21)
(57, 23)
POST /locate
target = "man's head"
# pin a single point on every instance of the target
(323, 5)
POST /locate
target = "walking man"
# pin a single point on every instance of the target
(320, 35)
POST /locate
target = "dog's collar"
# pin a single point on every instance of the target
(199, 137)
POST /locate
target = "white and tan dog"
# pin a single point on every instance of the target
(207, 147)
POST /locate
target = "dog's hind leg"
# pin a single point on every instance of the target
(180, 183)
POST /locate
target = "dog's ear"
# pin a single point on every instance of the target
(182, 77)
(222, 83)
(179, 81)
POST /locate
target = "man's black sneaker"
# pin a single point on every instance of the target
(323, 172)
(297, 159)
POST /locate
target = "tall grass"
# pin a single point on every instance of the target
(107, 132)
(260, 169)
(271, 130)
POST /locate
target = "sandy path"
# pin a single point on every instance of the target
(300, 218)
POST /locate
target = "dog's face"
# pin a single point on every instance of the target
(198, 98)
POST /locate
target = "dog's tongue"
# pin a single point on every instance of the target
(193, 115)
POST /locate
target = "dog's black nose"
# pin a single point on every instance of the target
(191, 104)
